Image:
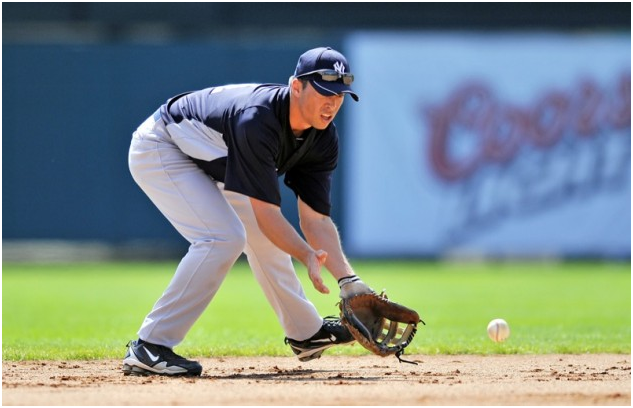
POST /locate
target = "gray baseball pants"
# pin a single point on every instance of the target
(219, 225)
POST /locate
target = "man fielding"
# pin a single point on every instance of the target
(210, 161)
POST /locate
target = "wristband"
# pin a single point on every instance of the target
(347, 279)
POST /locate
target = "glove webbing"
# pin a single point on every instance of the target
(405, 338)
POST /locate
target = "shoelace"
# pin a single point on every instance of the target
(331, 321)
(168, 353)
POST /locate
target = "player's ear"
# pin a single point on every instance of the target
(295, 86)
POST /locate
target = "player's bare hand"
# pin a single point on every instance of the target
(314, 263)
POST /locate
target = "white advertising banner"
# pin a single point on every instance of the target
(500, 144)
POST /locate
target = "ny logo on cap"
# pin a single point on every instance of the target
(339, 67)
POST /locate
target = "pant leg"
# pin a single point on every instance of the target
(196, 207)
(276, 275)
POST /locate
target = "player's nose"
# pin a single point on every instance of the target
(333, 102)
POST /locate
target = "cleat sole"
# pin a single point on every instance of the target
(139, 371)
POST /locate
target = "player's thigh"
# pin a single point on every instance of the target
(185, 195)
(256, 239)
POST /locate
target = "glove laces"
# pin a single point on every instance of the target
(402, 360)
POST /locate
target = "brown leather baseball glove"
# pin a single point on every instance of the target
(378, 324)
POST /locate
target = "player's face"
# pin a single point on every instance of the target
(317, 110)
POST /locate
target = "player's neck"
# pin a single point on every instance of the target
(297, 124)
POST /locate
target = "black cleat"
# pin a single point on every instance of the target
(146, 358)
(332, 333)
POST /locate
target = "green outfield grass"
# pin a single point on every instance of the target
(90, 311)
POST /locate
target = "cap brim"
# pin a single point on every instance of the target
(333, 88)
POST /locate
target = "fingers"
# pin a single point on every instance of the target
(321, 256)
(317, 282)
(314, 272)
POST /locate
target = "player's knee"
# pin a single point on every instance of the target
(231, 239)
(236, 238)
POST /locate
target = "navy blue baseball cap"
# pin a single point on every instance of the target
(327, 70)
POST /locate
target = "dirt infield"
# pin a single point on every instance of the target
(333, 380)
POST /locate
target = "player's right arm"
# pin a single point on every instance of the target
(320, 232)
(281, 233)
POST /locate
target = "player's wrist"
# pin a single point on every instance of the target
(306, 254)
(347, 279)
(352, 286)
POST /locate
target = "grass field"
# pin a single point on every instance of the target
(90, 311)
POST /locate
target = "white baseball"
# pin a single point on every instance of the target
(498, 330)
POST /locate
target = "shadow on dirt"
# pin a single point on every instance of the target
(302, 375)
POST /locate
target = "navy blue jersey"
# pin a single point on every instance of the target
(241, 135)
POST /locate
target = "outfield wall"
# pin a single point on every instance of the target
(68, 116)
(440, 158)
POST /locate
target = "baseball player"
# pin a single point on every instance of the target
(210, 161)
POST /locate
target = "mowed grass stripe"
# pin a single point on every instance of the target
(90, 310)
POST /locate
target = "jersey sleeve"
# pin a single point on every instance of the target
(312, 179)
(252, 148)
